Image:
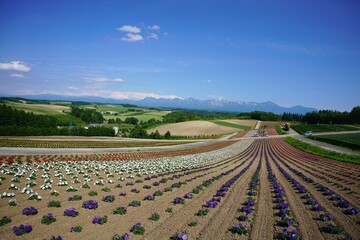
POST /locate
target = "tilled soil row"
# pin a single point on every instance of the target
(179, 222)
(320, 172)
(347, 172)
(348, 223)
(126, 221)
(354, 199)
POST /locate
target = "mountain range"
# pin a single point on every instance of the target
(221, 105)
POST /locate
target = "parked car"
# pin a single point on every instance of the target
(308, 133)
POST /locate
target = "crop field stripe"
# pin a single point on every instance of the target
(264, 216)
(346, 222)
(355, 201)
(309, 228)
(223, 217)
(345, 170)
(195, 204)
(232, 125)
(282, 158)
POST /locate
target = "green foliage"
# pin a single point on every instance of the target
(154, 217)
(302, 128)
(5, 220)
(279, 130)
(351, 140)
(202, 212)
(169, 210)
(138, 132)
(77, 229)
(87, 115)
(183, 116)
(167, 135)
(193, 224)
(92, 193)
(131, 120)
(306, 147)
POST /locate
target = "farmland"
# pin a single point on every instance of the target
(42, 109)
(262, 189)
(232, 125)
(194, 128)
(27, 143)
(112, 111)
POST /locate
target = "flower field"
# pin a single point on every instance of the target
(262, 189)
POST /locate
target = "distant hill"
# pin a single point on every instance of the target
(189, 103)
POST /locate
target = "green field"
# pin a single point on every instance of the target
(351, 140)
(107, 107)
(302, 128)
(41, 109)
(144, 116)
(232, 125)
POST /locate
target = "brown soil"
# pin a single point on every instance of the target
(215, 225)
(250, 123)
(193, 128)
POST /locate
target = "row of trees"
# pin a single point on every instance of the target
(15, 122)
(14, 117)
(325, 117)
(140, 132)
(87, 115)
(41, 131)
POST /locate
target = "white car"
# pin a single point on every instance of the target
(308, 133)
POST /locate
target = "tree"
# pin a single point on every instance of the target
(355, 115)
(131, 120)
(167, 135)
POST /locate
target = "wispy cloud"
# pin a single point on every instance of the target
(100, 82)
(131, 37)
(17, 75)
(72, 88)
(16, 66)
(208, 81)
(154, 27)
(138, 95)
(118, 80)
(292, 48)
(153, 36)
(130, 29)
(140, 69)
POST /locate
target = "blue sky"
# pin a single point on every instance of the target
(289, 52)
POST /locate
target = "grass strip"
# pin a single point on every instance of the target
(309, 148)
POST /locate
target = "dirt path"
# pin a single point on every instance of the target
(264, 216)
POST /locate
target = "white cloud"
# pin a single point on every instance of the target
(131, 37)
(118, 80)
(96, 79)
(137, 95)
(15, 65)
(130, 29)
(73, 88)
(154, 27)
(153, 36)
(17, 75)
(208, 81)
